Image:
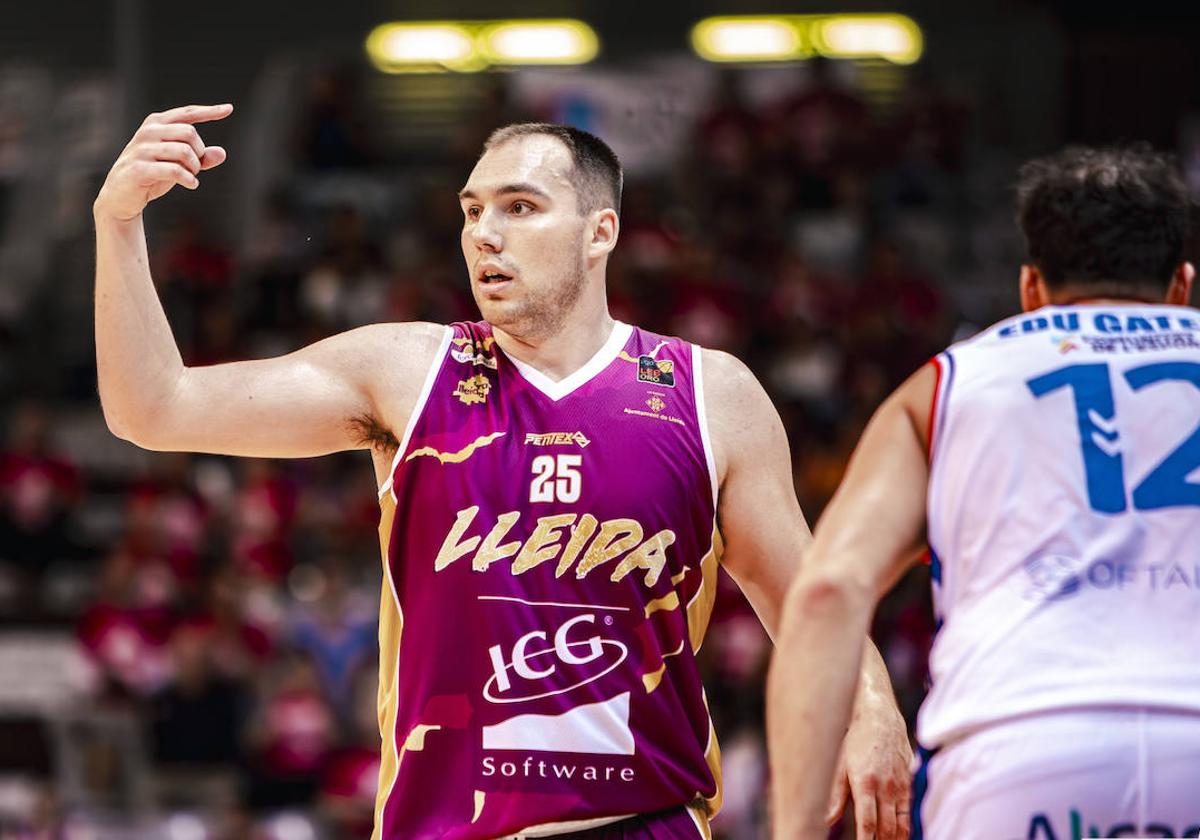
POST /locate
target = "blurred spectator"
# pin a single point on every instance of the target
(331, 134)
(194, 272)
(290, 736)
(236, 645)
(198, 716)
(336, 627)
(167, 519)
(39, 492)
(727, 137)
(265, 507)
(351, 777)
(346, 287)
(127, 630)
(824, 130)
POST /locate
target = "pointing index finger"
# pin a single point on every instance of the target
(196, 113)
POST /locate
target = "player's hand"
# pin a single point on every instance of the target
(165, 150)
(875, 769)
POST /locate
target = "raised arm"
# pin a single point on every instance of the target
(349, 391)
(871, 532)
(765, 535)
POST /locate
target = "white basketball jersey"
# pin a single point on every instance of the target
(1064, 517)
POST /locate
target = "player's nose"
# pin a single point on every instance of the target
(485, 233)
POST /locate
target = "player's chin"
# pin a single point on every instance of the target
(499, 312)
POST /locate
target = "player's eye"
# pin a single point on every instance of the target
(472, 213)
(520, 208)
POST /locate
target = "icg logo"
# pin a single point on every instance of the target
(540, 662)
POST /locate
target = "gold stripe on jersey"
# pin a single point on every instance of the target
(712, 757)
(391, 625)
(459, 456)
(699, 609)
(652, 680)
(700, 818)
(668, 602)
(480, 796)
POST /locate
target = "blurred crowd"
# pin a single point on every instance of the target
(228, 607)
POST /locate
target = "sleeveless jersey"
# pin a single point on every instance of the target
(1064, 514)
(550, 556)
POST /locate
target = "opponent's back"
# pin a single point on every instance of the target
(1064, 515)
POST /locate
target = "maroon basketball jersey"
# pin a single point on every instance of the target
(550, 555)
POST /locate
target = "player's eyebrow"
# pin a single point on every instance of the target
(507, 189)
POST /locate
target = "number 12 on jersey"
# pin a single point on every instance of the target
(1091, 385)
(556, 478)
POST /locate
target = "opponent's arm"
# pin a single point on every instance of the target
(765, 535)
(314, 401)
(871, 532)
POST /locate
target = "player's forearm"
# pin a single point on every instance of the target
(137, 361)
(811, 689)
(875, 696)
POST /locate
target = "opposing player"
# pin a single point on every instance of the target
(1054, 481)
(557, 489)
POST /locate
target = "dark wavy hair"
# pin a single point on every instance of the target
(1114, 218)
(597, 176)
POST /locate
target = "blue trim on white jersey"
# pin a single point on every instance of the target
(920, 787)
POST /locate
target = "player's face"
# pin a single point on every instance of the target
(523, 236)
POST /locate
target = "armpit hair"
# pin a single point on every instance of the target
(368, 431)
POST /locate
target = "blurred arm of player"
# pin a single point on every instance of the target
(765, 535)
(871, 533)
(323, 398)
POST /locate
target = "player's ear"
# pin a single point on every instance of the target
(1034, 294)
(1179, 292)
(602, 231)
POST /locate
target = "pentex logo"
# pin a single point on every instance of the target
(547, 663)
(557, 439)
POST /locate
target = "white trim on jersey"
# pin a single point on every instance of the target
(418, 408)
(565, 386)
(702, 417)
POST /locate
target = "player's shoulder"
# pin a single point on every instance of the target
(411, 335)
(400, 343)
(738, 409)
(726, 377)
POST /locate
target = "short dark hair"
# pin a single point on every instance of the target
(1115, 217)
(597, 175)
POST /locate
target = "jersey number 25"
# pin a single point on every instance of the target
(556, 478)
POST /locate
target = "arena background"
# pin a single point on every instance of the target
(187, 647)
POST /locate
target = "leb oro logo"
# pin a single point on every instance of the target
(655, 371)
(541, 664)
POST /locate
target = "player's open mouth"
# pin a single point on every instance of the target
(490, 276)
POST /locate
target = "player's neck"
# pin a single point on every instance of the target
(581, 335)
(1072, 300)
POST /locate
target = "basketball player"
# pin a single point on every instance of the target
(557, 490)
(1050, 466)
